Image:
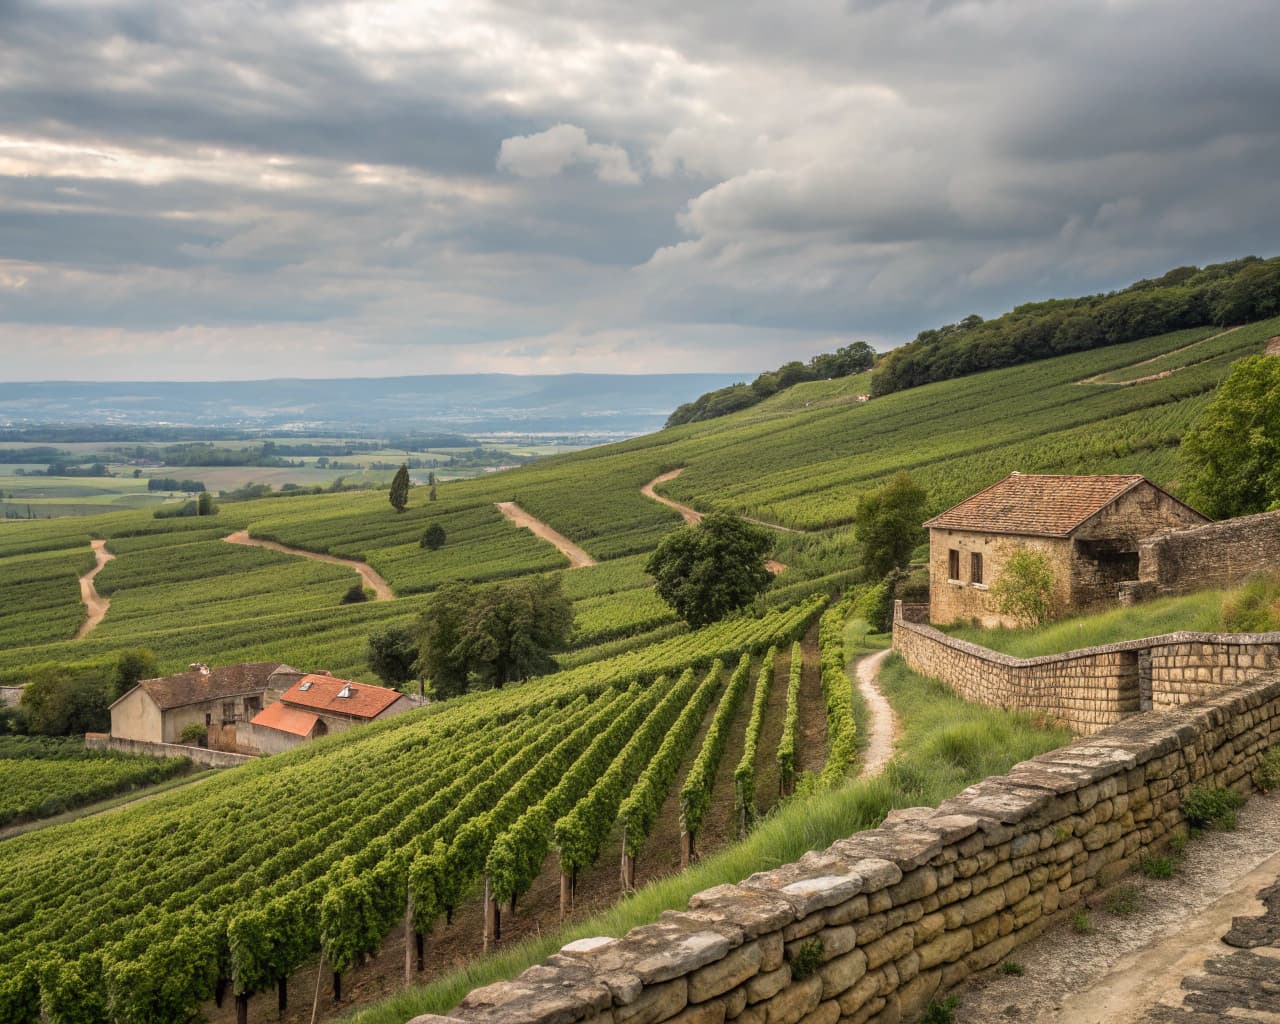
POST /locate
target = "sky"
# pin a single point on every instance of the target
(239, 190)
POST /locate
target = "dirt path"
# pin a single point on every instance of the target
(95, 604)
(380, 587)
(1145, 362)
(1130, 968)
(578, 558)
(883, 723)
(692, 515)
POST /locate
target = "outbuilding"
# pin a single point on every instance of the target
(1087, 527)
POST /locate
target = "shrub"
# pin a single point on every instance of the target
(355, 594)
(1212, 808)
(1255, 608)
(1013, 967)
(1123, 900)
(1267, 775)
(1025, 588)
(1156, 867)
(1081, 923)
(194, 732)
(941, 1012)
(807, 959)
(434, 537)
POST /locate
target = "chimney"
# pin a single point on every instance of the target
(199, 668)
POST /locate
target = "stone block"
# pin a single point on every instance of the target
(754, 911)
(837, 941)
(735, 1002)
(889, 947)
(771, 952)
(794, 1002)
(656, 1003)
(946, 948)
(826, 1013)
(842, 973)
(766, 985)
(864, 990)
(722, 975)
(705, 1013)
(914, 996)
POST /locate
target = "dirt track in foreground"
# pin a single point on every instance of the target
(381, 588)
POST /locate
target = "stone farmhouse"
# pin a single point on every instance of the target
(1088, 527)
(317, 705)
(220, 699)
(257, 707)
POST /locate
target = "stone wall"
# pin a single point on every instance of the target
(10, 696)
(1216, 555)
(198, 755)
(1090, 688)
(874, 927)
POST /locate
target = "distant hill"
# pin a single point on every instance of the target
(601, 404)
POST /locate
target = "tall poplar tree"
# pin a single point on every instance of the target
(399, 496)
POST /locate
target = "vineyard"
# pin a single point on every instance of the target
(242, 881)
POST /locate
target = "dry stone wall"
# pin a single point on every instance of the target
(198, 755)
(1216, 555)
(874, 927)
(1094, 687)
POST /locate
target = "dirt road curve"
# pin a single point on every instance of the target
(883, 726)
(692, 515)
(578, 558)
(380, 587)
(95, 604)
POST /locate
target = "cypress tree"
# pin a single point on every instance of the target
(400, 489)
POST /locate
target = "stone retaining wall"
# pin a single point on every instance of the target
(874, 927)
(1216, 555)
(198, 755)
(1094, 687)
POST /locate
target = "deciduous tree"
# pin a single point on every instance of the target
(888, 525)
(433, 538)
(393, 653)
(708, 570)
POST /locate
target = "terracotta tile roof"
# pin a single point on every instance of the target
(286, 719)
(199, 685)
(321, 694)
(1034, 504)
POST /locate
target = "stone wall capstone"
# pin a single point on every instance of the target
(892, 917)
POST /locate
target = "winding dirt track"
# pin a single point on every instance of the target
(883, 726)
(1145, 362)
(381, 588)
(578, 559)
(692, 515)
(95, 604)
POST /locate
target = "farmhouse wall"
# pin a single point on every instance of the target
(10, 696)
(963, 600)
(892, 917)
(1215, 555)
(136, 717)
(1090, 688)
(198, 755)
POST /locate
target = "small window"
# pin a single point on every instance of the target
(228, 712)
(252, 705)
(975, 567)
(953, 564)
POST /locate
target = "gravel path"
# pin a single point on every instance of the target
(1133, 964)
(95, 604)
(578, 558)
(883, 724)
(380, 587)
(692, 515)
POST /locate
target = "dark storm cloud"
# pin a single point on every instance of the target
(598, 184)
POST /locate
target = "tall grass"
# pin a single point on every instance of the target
(946, 744)
(1202, 612)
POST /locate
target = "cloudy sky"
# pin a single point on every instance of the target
(247, 189)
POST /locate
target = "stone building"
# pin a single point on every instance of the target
(317, 705)
(223, 700)
(1088, 527)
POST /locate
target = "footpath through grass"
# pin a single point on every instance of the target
(946, 744)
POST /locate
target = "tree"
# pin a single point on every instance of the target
(708, 570)
(431, 484)
(131, 666)
(888, 525)
(1025, 588)
(205, 505)
(434, 537)
(393, 653)
(62, 701)
(355, 594)
(400, 489)
(490, 636)
(1232, 454)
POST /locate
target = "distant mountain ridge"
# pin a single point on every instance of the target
(622, 404)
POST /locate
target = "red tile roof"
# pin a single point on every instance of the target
(320, 693)
(197, 686)
(1039, 505)
(286, 719)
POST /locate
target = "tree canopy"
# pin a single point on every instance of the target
(707, 570)
(1232, 454)
(887, 524)
(473, 636)
(399, 496)
(393, 654)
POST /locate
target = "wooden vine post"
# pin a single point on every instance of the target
(490, 916)
(282, 995)
(242, 1008)
(408, 940)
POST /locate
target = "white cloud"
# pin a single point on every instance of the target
(554, 151)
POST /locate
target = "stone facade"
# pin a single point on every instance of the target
(1094, 687)
(874, 927)
(1216, 555)
(1088, 565)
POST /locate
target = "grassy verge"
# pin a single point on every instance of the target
(1197, 612)
(946, 745)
